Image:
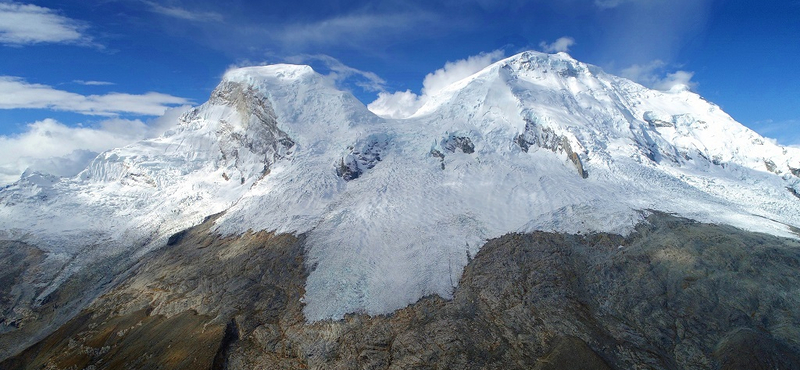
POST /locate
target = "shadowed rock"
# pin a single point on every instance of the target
(675, 294)
(748, 349)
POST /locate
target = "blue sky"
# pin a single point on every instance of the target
(77, 77)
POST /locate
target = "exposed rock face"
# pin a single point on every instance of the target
(179, 305)
(18, 262)
(462, 143)
(537, 136)
(362, 157)
(29, 309)
(450, 144)
(770, 165)
(673, 295)
(435, 153)
(658, 120)
(747, 349)
(259, 132)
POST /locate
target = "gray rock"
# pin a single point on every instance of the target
(537, 136)
(362, 157)
(748, 349)
(675, 294)
(462, 143)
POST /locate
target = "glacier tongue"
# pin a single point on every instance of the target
(394, 208)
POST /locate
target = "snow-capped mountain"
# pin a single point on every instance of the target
(394, 209)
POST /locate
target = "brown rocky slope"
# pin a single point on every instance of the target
(675, 294)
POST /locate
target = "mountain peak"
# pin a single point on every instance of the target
(561, 63)
(274, 72)
(393, 208)
(533, 55)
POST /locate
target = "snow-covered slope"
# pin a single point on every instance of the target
(395, 208)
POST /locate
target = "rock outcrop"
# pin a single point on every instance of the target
(462, 143)
(538, 136)
(450, 144)
(362, 156)
(675, 294)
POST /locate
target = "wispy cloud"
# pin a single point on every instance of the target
(52, 147)
(399, 104)
(403, 104)
(350, 29)
(183, 13)
(340, 72)
(639, 31)
(93, 83)
(458, 70)
(561, 45)
(656, 76)
(607, 4)
(16, 93)
(26, 24)
(784, 132)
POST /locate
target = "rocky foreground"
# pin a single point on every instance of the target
(675, 294)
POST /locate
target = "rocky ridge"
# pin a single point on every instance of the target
(675, 294)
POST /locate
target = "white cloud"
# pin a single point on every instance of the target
(403, 104)
(458, 70)
(399, 104)
(638, 31)
(93, 83)
(561, 45)
(678, 80)
(47, 143)
(182, 13)
(166, 121)
(643, 72)
(339, 71)
(782, 132)
(653, 75)
(52, 147)
(24, 24)
(17, 93)
(67, 165)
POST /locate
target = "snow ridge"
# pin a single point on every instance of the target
(394, 208)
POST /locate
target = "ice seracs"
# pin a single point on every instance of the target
(392, 208)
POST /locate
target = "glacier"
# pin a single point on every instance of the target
(394, 208)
